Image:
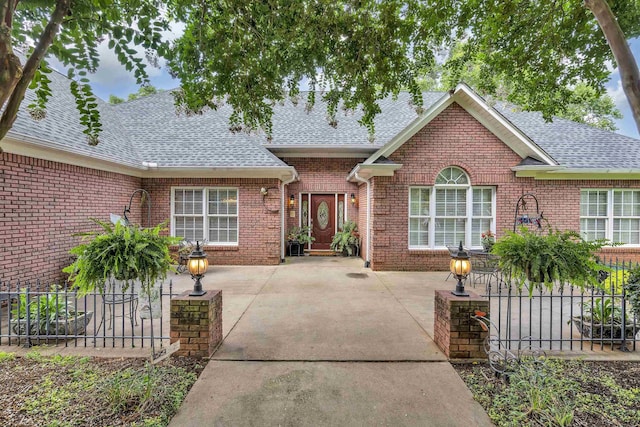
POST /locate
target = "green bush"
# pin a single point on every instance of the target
(615, 281)
(632, 290)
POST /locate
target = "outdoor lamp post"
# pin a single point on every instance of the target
(197, 266)
(460, 267)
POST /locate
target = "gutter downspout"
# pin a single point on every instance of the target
(367, 262)
(294, 177)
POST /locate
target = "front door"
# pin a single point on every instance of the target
(322, 220)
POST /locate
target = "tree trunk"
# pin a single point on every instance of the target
(10, 67)
(15, 93)
(629, 75)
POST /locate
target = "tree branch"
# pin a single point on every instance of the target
(32, 64)
(629, 75)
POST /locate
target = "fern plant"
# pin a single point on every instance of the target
(123, 252)
(347, 239)
(557, 256)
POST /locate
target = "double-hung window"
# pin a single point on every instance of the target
(449, 212)
(209, 214)
(610, 214)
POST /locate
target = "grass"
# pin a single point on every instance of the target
(65, 391)
(558, 392)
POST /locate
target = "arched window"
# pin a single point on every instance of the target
(449, 212)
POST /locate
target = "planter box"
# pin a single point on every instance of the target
(598, 331)
(295, 248)
(76, 325)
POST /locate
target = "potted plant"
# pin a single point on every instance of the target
(557, 256)
(297, 238)
(487, 239)
(124, 252)
(48, 314)
(603, 318)
(346, 241)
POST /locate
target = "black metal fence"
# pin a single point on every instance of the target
(119, 315)
(565, 317)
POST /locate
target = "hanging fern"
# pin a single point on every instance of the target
(123, 252)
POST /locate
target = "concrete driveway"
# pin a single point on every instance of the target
(324, 342)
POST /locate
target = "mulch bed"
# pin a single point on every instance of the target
(596, 393)
(76, 391)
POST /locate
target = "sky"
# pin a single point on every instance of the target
(112, 79)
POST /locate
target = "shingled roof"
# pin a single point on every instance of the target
(149, 130)
(576, 145)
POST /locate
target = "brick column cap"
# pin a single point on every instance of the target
(446, 295)
(208, 296)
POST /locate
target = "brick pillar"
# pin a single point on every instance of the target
(196, 322)
(455, 332)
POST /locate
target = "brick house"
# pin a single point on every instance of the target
(427, 181)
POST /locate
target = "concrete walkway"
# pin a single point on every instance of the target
(325, 342)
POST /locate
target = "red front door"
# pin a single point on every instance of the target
(323, 220)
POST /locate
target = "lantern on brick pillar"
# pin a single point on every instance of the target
(197, 266)
(460, 267)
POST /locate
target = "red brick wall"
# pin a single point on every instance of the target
(258, 219)
(43, 203)
(323, 175)
(455, 138)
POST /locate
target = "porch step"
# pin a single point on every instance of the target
(321, 253)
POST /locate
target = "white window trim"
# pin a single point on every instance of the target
(205, 212)
(432, 205)
(610, 217)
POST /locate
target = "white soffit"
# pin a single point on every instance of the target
(367, 171)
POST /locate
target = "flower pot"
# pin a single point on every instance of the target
(74, 325)
(598, 331)
(486, 247)
(295, 248)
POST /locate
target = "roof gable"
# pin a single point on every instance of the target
(481, 111)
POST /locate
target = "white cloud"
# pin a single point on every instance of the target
(111, 77)
(617, 94)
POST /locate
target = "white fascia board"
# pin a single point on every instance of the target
(23, 145)
(31, 147)
(479, 103)
(580, 174)
(281, 173)
(367, 171)
(537, 168)
(412, 128)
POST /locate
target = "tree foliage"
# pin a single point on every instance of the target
(543, 49)
(584, 104)
(113, 99)
(145, 90)
(71, 32)
(254, 54)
